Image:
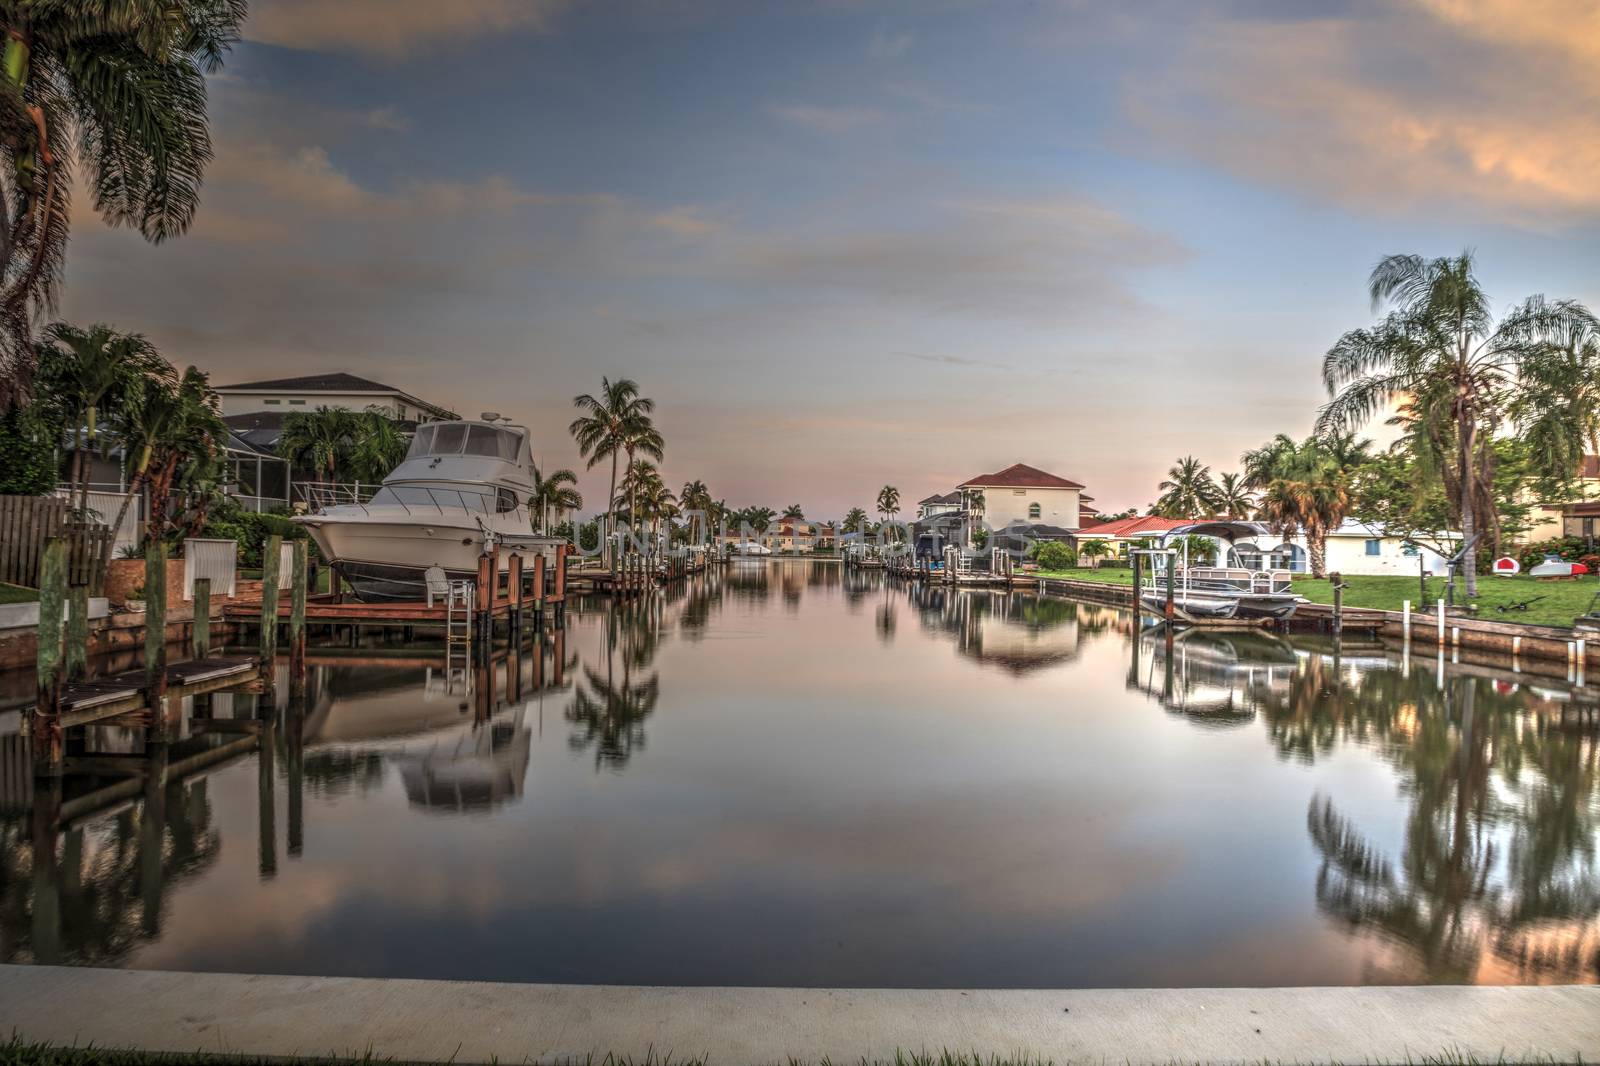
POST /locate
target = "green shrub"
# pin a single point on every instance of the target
(250, 529)
(1568, 548)
(1053, 555)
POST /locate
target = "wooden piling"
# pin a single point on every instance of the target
(200, 628)
(1137, 561)
(538, 586)
(514, 592)
(559, 580)
(155, 625)
(269, 606)
(77, 641)
(1172, 577)
(483, 598)
(1338, 603)
(46, 724)
(297, 616)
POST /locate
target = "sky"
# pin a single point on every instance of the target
(849, 243)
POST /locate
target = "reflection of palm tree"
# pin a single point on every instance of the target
(1459, 889)
(610, 717)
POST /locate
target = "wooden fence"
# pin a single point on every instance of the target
(27, 522)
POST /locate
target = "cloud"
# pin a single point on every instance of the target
(684, 222)
(886, 45)
(827, 119)
(956, 360)
(997, 258)
(1491, 105)
(392, 28)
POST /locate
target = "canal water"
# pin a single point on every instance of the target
(782, 774)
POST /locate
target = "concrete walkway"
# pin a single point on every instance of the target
(471, 1022)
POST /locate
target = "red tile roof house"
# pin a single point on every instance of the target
(1122, 533)
(1025, 494)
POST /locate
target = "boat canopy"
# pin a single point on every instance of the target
(1222, 529)
(467, 438)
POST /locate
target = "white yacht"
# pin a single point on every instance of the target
(462, 487)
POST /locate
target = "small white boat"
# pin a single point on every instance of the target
(1202, 593)
(462, 488)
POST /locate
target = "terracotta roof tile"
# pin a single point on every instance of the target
(1022, 476)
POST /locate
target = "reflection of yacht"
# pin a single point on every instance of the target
(480, 769)
(1239, 589)
(462, 486)
(363, 705)
(1215, 678)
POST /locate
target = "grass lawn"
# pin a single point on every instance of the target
(1552, 603)
(17, 594)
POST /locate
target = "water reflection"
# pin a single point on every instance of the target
(815, 776)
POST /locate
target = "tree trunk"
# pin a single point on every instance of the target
(1318, 543)
(1465, 433)
(607, 548)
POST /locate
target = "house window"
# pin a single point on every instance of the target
(297, 403)
(1374, 547)
(273, 403)
(1033, 510)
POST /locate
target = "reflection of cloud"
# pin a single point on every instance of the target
(391, 27)
(1493, 102)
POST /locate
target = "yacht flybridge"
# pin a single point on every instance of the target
(1243, 589)
(462, 487)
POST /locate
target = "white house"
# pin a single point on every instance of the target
(1025, 494)
(337, 390)
(1355, 548)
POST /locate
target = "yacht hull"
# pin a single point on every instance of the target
(386, 561)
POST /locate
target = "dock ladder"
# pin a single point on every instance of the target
(458, 625)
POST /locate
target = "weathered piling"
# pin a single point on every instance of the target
(269, 607)
(1172, 576)
(1338, 602)
(200, 628)
(483, 598)
(514, 592)
(155, 626)
(1137, 560)
(46, 724)
(538, 588)
(297, 618)
(77, 645)
(558, 584)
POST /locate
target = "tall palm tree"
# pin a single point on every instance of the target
(694, 496)
(1440, 345)
(1304, 487)
(614, 424)
(1233, 500)
(854, 520)
(795, 512)
(1188, 491)
(174, 434)
(888, 501)
(116, 93)
(553, 493)
(319, 440)
(378, 445)
(89, 371)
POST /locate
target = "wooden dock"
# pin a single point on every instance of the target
(83, 702)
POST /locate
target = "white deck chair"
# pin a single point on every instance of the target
(438, 583)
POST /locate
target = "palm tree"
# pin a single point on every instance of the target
(1233, 499)
(854, 520)
(888, 501)
(616, 423)
(694, 496)
(174, 434)
(1304, 487)
(378, 445)
(554, 493)
(1440, 345)
(1188, 491)
(114, 94)
(89, 371)
(1094, 548)
(795, 512)
(318, 440)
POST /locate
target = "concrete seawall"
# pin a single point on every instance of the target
(1505, 639)
(471, 1022)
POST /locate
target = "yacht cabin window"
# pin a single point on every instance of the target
(452, 438)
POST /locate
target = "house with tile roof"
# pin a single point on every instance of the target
(1022, 494)
(1120, 534)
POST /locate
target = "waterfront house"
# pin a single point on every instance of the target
(1354, 549)
(1121, 534)
(1023, 494)
(949, 503)
(1576, 516)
